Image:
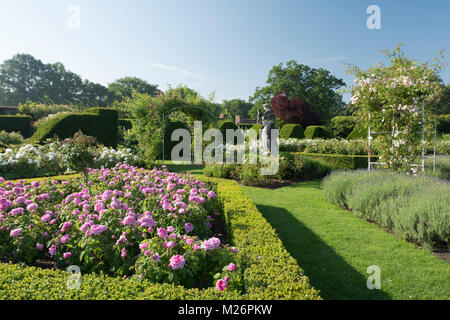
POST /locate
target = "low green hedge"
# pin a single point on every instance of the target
(292, 131)
(97, 122)
(313, 132)
(269, 271)
(339, 161)
(16, 123)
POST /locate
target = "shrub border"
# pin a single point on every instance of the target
(339, 161)
(271, 272)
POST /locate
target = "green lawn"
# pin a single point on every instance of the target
(334, 248)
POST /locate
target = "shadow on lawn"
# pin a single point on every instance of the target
(326, 270)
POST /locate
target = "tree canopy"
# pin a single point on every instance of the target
(316, 86)
(234, 107)
(24, 78)
(123, 88)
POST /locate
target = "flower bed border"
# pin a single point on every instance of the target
(270, 271)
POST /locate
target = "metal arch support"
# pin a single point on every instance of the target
(422, 165)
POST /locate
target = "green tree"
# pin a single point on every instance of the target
(231, 108)
(20, 79)
(316, 86)
(443, 107)
(123, 88)
(25, 78)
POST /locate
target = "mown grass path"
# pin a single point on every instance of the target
(334, 247)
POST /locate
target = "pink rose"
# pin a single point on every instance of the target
(176, 262)
(221, 285)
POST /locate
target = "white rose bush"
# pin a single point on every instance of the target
(393, 96)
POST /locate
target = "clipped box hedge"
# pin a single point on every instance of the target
(313, 132)
(16, 123)
(269, 271)
(339, 161)
(101, 123)
(292, 131)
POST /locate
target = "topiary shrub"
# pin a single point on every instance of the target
(443, 124)
(357, 133)
(100, 123)
(168, 144)
(341, 126)
(16, 123)
(257, 127)
(312, 132)
(224, 125)
(292, 131)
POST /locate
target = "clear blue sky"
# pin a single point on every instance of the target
(217, 45)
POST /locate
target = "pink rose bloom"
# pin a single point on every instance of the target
(66, 226)
(15, 212)
(170, 229)
(65, 238)
(143, 245)
(162, 233)
(176, 262)
(52, 250)
(123, 253)
(147, 253)
(169, 244)
(211, 244)
(189, 241)
(15, 233)
(129, 220)
(227, 278)
(231, 267)
(188, 227)
(39, 246)
(221, 285)
(196, 247)
(211, 194)
(67, 255)
(32, 206)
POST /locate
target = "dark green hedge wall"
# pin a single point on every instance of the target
(292, 131)
(16, 123)
(312, 132)
(168, 144)
(97, 122)
(338, 161)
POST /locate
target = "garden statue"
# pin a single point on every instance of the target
(268, 119)
(258, 117)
